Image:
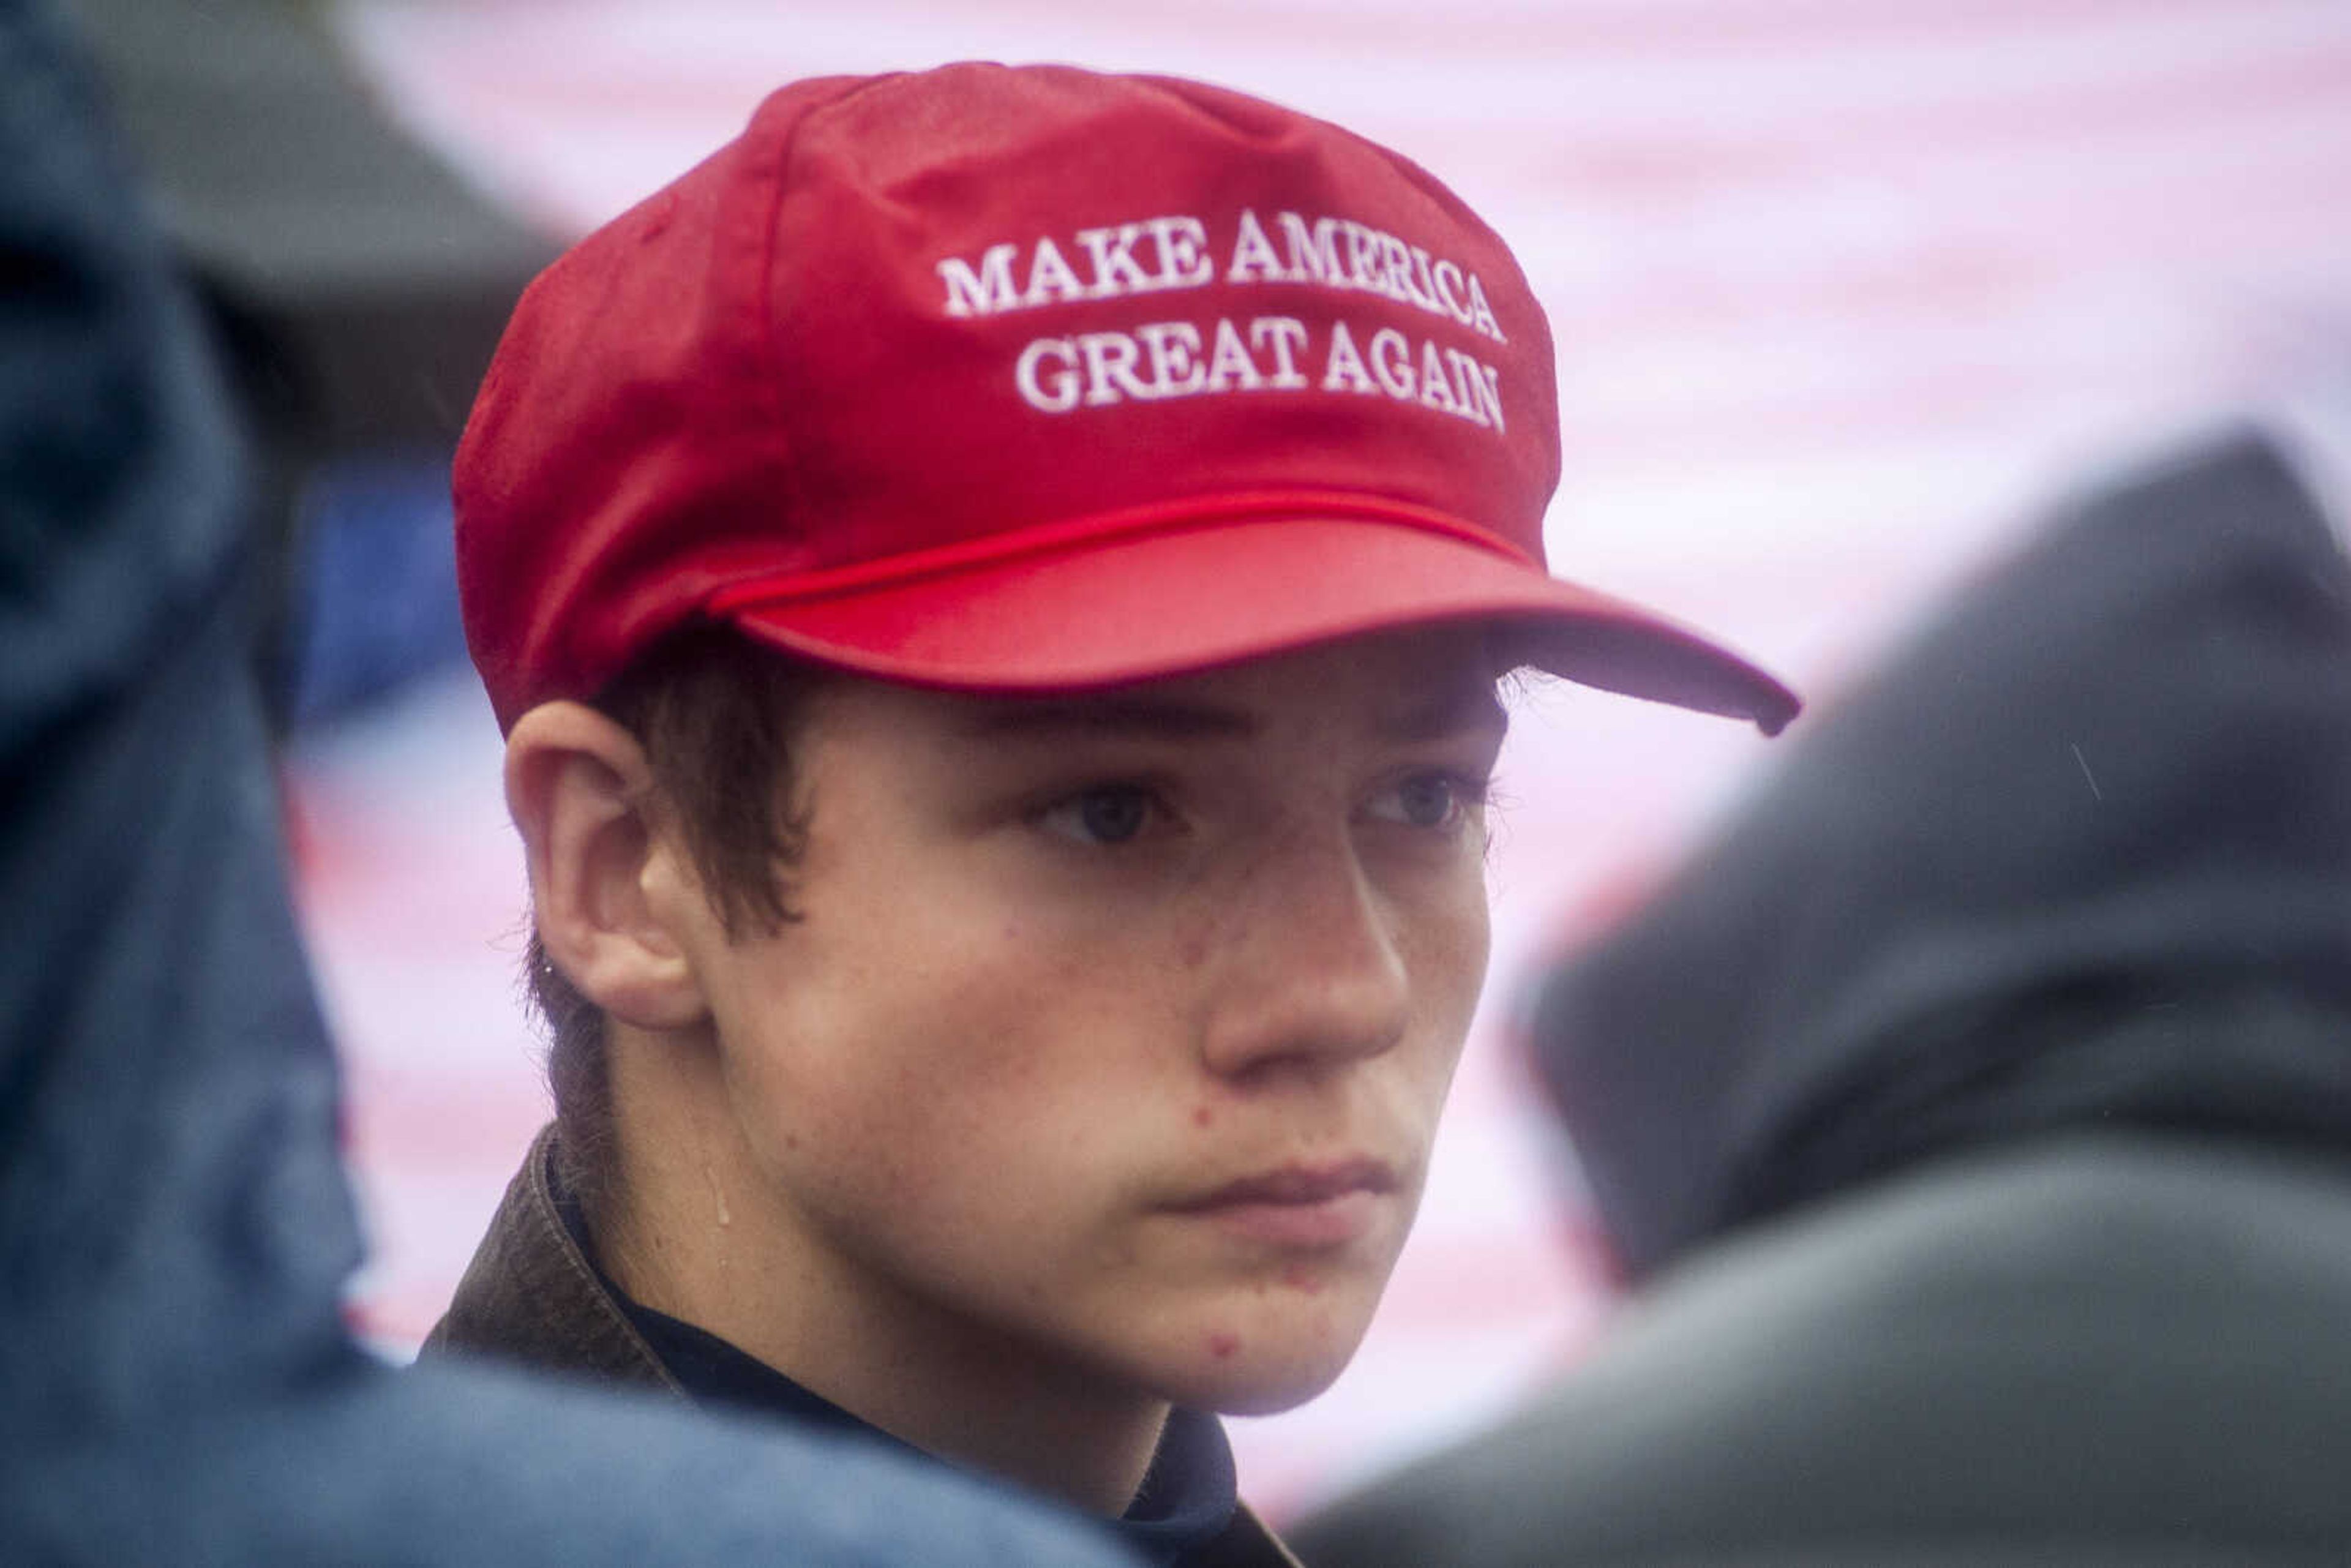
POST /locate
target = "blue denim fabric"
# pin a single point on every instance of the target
(176, 1381)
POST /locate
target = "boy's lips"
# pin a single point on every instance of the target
(1326, 1205)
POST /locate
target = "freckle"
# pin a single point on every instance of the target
(1202, 1116)
(1224, 1346)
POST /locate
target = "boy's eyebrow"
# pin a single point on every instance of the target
(1458, 711)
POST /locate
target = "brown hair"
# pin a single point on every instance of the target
(717, 715)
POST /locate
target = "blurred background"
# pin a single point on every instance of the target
(1842, 289)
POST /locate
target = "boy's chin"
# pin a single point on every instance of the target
(1236, 1378)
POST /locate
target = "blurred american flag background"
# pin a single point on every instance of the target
(1843, 289)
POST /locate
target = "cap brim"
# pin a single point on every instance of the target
(1170, 602)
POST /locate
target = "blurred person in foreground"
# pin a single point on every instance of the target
(1972, 1120)
(177, 1385)
(996, 584)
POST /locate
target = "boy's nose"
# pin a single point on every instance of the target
(1308, 971)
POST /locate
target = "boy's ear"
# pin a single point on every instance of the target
(583, 795)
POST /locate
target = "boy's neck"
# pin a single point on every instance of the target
(691, 1230)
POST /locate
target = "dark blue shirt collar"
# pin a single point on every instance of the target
(1188, 1495)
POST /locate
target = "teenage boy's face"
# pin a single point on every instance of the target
(1115, 1027)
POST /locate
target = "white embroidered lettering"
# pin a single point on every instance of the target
(1062, 393)
(1392, 363)
(1448, 291)
(1344, 370)
(1112, 251)
(1282, 334)
(1435, 391)
(1174, 351)
(1313, 254)
(983, 292)
(1229, 364)
(1110, 369)
(1481, 314)
(1395, 262)
(1182, 244)
(1491, 393)
(1050, 278)
(1487, 386)
(1254, 260)
(1162, 360)
(1365, 258)
(1423, 292)
(1466, 401)
(1327, 252)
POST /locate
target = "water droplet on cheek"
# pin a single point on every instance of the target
(1224, 1346)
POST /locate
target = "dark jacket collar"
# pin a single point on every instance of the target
(533, 1295)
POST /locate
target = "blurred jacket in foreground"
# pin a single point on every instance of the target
(176, 1382)
(1973, 1119)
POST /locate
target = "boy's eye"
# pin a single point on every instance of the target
(1429, 800)
(1105, 814)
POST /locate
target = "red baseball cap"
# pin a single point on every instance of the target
(1032, 379)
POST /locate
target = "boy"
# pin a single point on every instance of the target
(995, 585)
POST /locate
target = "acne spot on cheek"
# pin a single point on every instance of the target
(1194, 952)
(1302, 1280)
(1224, 1346)
(1202, 1116)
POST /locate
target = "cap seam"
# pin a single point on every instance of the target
(1180, 515)
(770, 332)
